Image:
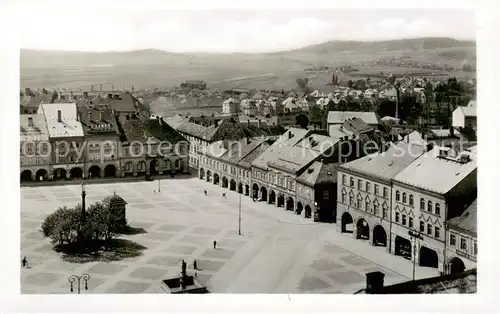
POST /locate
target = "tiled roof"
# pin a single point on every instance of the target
(327, 174)
(288, 139)
(357, 126)
(310, 175)
(467, 221)
(37, 131)
(97, 120)
(436, 174)
(69, 125)
(216, 149)
(68, 110)
(197, 130)
(239, 149)
(143, 130)
(388, 164)
(338, 117)
(469, 111)
(465, 282)
(175, 121)
(251, 156)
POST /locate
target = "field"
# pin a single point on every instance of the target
(153, 68)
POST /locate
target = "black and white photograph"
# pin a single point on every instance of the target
(246, 150)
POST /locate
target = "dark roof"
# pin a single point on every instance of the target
(327, 174)
(100, 122)
(141, 130)
(467, 221)
(127, 103)
(319, 173)
(465, 282)
(357, 126)
(240, 149)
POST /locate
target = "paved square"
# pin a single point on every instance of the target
(277, 251)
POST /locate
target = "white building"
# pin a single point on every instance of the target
(465, 117)
(231, 106)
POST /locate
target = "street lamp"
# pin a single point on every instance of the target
(159, 186)
(239, 206)
(77, 279)
(83, 201)
(414, 236)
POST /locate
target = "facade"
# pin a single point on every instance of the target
(431, 190)
(66, 138)
(290, 105)
(199, 137)
(227, 164)
(150, 147)
(102, 141)
(275, 171)
(249, 107)
(461, 237)
(35, 148)
(317, 192)
(231, 106)
(465, 117)
(364, 197)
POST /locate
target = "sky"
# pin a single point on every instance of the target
(96, 28)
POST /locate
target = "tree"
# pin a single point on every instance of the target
(63, 226)
(350, 83)
(302, 120)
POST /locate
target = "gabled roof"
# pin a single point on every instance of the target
(469, 111)
(69, 126)
(467, 221)
(97, 120)
(247, 160)
(319, 173)
(436, 174)
(144, 130)
(339, 117)
(388, 164)
(237, 150)
(37, 131)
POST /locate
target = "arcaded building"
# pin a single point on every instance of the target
(35, 148)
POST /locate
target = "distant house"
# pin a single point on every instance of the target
(465, 117)
(336, 118)
(231, 106)
(194, 84)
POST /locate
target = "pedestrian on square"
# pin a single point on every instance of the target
(205, 192)
(24, 261)
(154, 191)
(196, 275)
(215, 244)
(195, 265)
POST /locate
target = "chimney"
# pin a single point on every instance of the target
(30, 121)
(59, 117)
(374, 281)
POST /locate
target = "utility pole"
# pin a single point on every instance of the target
(414, 236)
(239, 207)
(159, 185)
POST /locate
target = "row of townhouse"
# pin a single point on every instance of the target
(85, 140)
(412, 199)
(297, 171)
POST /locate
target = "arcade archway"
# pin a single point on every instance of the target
(402, 247)
(202, 173)
(255, 191)
(94, 172)
(281, 200)
(224, 182)
(59, 174)
(232, 185)
(209, 176)
(346, 223)
(272, 197)
(41, 175)
(76, 173)
(363, 229)
(263, 192)
(26, 175)
(290, 204)
(153, 167)
(379, 236)
(428, 257)
(308, 212)
(216, 179)
(110, 171)
(456, 266)
(300, 207)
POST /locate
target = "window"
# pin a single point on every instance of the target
(403, 220)
(343, 197)
(429, 229)
(352, 181)
(359, 203)
(359, 184)
(368, 206)
(437, 209)
(410, 222)
(343, 179)
(475, 248)
(367, 186)
(397, 217)
(453, 240)
(397, 196)
(384, 211)
(463, 244)
(436, 232)
(429, 206)
(404, 197)
(422, 226)
(422, 203)
(376, 189)
(351, 200)
(411, 200)
(375, 209)
(385, 192)
(177, 163)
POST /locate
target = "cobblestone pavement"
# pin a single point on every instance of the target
(278, 252)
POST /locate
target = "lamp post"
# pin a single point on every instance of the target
(77, 279)
(159, 185)
(414, 236)
(239, 206)
(83, 201)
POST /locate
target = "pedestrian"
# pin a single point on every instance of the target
(205, 192)
(154, 191)
(223, 194)
(196, 275)
(215, 244)
(24, 262)
(195, 266)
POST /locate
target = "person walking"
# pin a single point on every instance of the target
(215, 244)
(195, 265)
(205, 192)
(24, 262)
(154, 191)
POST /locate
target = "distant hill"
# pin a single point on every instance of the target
(157, 68)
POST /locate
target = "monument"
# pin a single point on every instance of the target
(182, 284)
